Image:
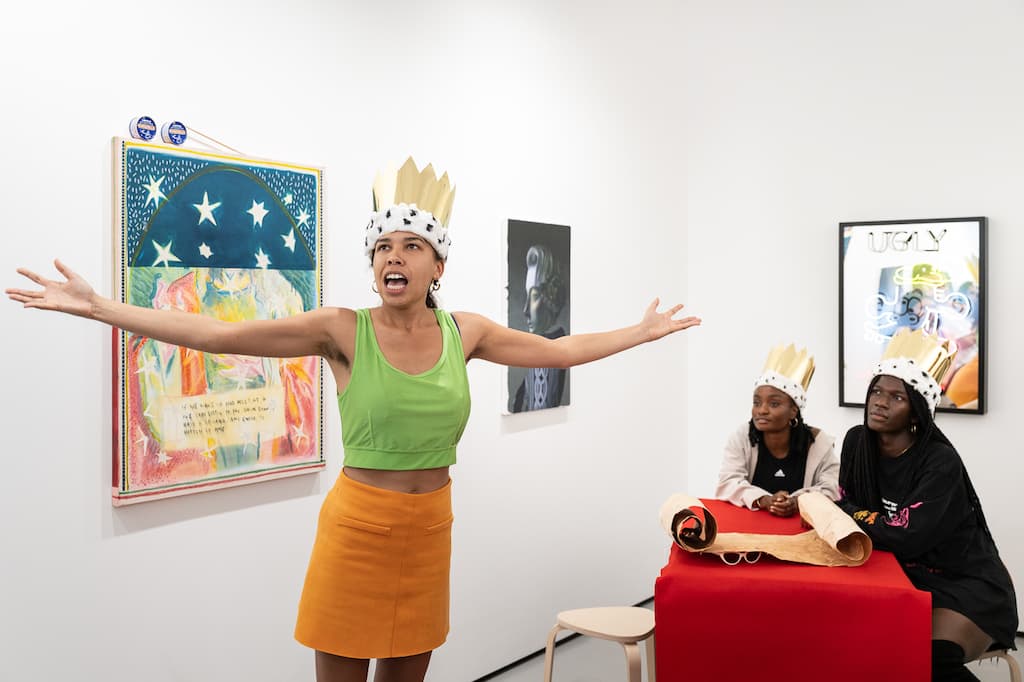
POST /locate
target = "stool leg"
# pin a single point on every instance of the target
(549, 653)
(1014, 667)
(632, 661)
(650, 658)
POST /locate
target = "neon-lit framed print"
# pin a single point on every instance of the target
(927, 274)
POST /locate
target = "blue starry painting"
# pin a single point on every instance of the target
(233, 238)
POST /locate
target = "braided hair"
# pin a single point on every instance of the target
(858, 475)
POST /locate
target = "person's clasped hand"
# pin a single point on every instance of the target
(780, 504)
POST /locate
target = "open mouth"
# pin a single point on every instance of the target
(395, 282)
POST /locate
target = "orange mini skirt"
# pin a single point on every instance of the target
(377, 584)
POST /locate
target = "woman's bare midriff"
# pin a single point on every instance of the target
(413, 482)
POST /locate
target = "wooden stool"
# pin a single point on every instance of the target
(1011, 662)
(626, 625)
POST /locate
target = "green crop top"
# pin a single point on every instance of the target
(399, 421)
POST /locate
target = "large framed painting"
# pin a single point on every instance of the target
(538, 303)
(924, 274)
(233, 238)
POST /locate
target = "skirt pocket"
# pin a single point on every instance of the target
(374, 528)
(439, 527)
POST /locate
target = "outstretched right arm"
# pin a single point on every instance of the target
(304, 334)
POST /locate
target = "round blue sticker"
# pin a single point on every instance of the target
(174, 132)
(142, 128)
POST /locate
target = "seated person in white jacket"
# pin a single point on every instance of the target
(775, 456)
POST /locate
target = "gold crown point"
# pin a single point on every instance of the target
(932, 354)
(409, 186)
(789, 362)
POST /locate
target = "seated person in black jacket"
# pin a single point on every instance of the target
(904, 483)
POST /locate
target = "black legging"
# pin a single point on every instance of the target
(948, 663)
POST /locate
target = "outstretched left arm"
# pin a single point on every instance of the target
(487, 340)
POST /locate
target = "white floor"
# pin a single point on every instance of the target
(585, 659)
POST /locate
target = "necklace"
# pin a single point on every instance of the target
(904, 450)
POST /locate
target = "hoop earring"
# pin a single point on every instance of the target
(435, 285)
(373, 288)
(913, 428)
(793, 422)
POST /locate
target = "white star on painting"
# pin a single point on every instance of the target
(206, 210)
(205, 250)
(258, 213)
(289, 241)
(148, 366)
(287, 199)
(262, 259)
(164, 255)
(162, 457)
(298, 434)
(155, 194)
(302, 218)
(143, 438)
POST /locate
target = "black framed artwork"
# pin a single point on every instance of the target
(927, 274)
(538, 262)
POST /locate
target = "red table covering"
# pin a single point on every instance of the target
(775, 620)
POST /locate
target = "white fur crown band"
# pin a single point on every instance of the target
(407, 218)
(917, 378)
(791, 388)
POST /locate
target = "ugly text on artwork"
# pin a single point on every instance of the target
(903, 240)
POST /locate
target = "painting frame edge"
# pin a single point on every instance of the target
(981, 223)
(121, 497)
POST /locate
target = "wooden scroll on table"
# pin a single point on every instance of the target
(834, 538)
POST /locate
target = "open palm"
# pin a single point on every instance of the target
(659, 325)
(73, 296)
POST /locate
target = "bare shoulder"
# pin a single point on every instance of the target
(340, 324)
(470, 323)
(469, 320)
(340, 315)
(472, 327)
(328, 318)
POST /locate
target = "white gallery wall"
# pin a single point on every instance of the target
(701, 152)
(806, 114)
(543, 113)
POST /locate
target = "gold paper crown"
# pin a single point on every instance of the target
(930, 353)
(787, 361)
(410, 186)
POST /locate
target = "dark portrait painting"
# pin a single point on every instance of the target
(538, 303)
